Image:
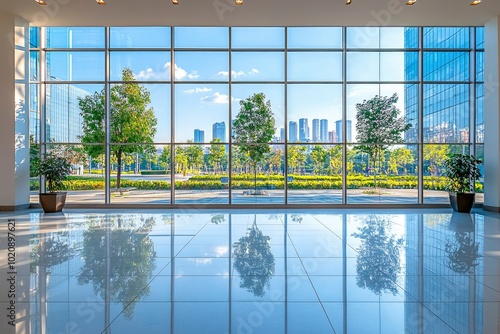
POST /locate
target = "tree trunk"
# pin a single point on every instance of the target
(255, 178)
(119, 169)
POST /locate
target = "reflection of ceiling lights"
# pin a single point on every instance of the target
(239, 2)
(100, 2)
(175, 2)
(411, 2)
(475, 2)
(41, 2)
(348, 2)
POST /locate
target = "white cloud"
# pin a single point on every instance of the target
(180, 73)
(198, 90)
(149, 74)
(216, 98)
(234, 74)
(193, 75)
(237, 74)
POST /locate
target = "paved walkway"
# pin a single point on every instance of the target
(354, 196)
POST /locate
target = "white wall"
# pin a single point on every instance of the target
(14, 120)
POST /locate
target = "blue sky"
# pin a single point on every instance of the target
(199, 105)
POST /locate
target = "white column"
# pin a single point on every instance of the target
(491, 116)
(14, 114)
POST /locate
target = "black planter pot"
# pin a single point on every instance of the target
(462, 202)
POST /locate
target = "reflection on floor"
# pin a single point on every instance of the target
(352, 271)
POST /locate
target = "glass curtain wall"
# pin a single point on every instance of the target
(257, 115)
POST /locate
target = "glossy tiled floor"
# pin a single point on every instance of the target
(353, 271)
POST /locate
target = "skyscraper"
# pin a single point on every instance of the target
(282, 135)
(63, 120)
(315, 131)
(219, 131)
(292, 132)
(303, 130)
(199, 136)
(446, 107)
(339, 131)
(332, 137)
(323, 131)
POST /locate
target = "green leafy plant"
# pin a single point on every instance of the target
(461, 171)
(55, 169)
(254, 128)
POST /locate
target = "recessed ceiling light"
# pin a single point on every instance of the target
(41, 2)
(348, 2)
(100, 2)
(411, 2)
(475, 2)
(175, 2)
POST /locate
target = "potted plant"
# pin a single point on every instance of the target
(55, 169)
(461, 171)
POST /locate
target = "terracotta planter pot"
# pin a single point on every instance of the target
(52, 202)
(462, 202)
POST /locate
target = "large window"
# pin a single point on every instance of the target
(174, 115)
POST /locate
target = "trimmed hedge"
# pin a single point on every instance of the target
(213, 182)
(155, 172)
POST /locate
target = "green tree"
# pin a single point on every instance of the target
(239, 161)
(181, 160)
(34, 155)
(435, 155)
(274, 160)
(131, 121)
(351, 155)
(379, 125)
(335, 157)
(400, 158)
(164, 158)
(216, 155)
(319, 157)
(254, 128)
(194, 156)
(296, 157)
(151, 158)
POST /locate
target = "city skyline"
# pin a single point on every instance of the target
(196, 105)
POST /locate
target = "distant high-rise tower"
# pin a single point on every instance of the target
(316, 135)
(338, 130)
(303, 130)
(282, 135)
(292, 132)
(219, 131)
(332, 137)
(199, 136)
(323, 131)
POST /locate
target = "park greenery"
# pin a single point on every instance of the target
(319, 169)
(380, 160)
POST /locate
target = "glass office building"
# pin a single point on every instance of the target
(196, 79)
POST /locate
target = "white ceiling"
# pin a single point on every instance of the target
(253, 13)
